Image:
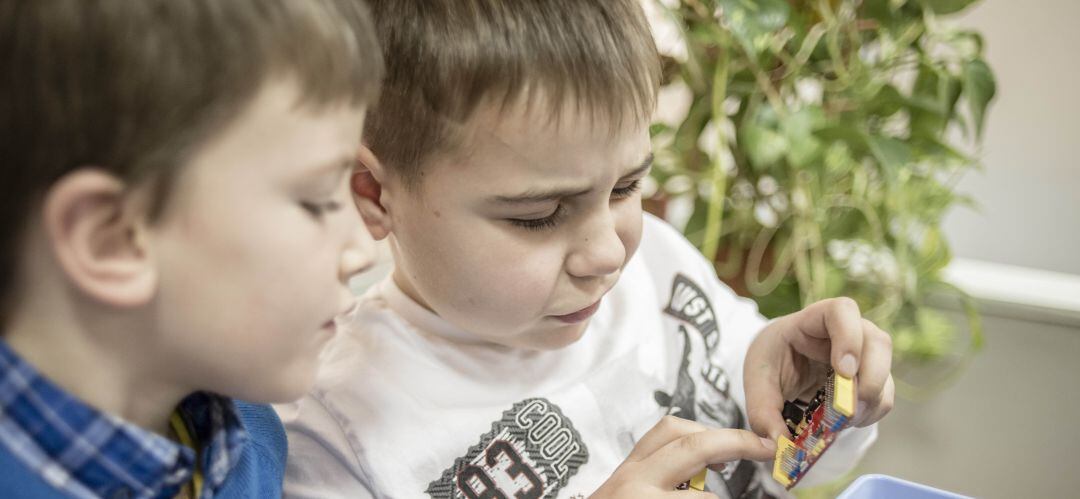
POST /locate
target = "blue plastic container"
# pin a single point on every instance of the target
(887, 487)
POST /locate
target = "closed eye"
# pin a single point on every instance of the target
(320, 209)
(540, 223)
(626, 191)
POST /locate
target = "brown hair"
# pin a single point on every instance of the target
(133, 87)
(446, 58)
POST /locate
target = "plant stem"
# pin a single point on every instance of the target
(715, 217)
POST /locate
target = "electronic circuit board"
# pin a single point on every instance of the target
(813, 427)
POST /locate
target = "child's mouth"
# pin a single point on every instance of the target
(580, 315)
(344, 316)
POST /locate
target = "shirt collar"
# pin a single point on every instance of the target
(88, 453)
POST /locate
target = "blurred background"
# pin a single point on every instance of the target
(918, 156)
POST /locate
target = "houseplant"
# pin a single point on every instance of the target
(810, 148)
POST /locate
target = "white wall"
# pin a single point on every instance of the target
(1030, 191)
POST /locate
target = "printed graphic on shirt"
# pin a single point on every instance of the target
(689, 304)
(681, 401)
(712, 404)
(531, 452)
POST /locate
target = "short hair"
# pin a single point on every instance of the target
(135, 86)
(447, 58)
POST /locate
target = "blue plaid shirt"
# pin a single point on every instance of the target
(86, 453)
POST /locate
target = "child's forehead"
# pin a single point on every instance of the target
(278, 137)
(539, 122)
(511, 150)
(535, 134)
(518, 150)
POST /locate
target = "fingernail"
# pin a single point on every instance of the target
(768, 443)
(847, 366)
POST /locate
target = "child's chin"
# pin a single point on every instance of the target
(563, 336)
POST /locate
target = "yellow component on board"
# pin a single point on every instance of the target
(783, 446)
(844, 395)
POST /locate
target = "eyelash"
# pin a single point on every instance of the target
(553, 219)
(625, 192)
(540, 223)
(318, 210)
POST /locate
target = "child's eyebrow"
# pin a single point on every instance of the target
(642, 167)
(540, 196)
(530, 197)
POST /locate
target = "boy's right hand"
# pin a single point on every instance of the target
(675, 450)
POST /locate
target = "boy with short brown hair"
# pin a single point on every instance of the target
(537, 328)
(173, 235)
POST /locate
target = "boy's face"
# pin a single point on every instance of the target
(519, 238)
(255, 248)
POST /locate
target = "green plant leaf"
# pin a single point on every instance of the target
(804, 151)
(835, 281)
(934, 254)
(846, 133)
(970, 308)
(886, 102)
(803, 148)
(974, 37)
(936, 332)
(944, 7)
(838, 160)
(891, 153)
(753, 21)
(804, 121)
(695, 226)
(979, 88)
(930, 337)
(937, 151)
(764, 146)
(878, 10)
(895, 16)
(932, 102)
(927, 119)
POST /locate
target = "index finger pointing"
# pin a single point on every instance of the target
(680, 459)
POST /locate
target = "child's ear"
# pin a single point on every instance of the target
(367, 186)
(98, 240)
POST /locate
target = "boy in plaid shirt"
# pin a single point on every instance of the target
(173, 235)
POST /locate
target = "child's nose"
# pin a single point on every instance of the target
(358, 256)
(600, 251)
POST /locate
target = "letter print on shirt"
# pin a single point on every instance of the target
(531, 452)
(710, 404)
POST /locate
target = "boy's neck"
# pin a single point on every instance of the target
(95, 353)
(405, 285)
(106, 377)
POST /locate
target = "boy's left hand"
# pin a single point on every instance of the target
(789, 357)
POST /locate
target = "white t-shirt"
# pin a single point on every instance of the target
(419, 407)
